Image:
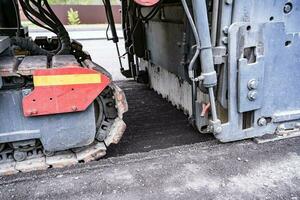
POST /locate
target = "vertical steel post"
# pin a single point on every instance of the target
(206, 58)
(214, 26)
(206, 54)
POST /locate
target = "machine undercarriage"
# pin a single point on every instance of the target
(57, 107)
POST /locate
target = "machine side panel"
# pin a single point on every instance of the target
(56, 132)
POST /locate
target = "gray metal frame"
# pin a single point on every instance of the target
(256, 57)
(56, 132)
(274, 100)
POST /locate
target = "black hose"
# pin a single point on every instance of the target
(29, 45)
(196, 36)
(40, 13)
(18, 17)
(191, 67)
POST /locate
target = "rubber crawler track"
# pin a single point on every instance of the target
(67, 158)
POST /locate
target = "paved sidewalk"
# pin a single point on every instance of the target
(80, 32)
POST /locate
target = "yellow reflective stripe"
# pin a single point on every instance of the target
(70, 79)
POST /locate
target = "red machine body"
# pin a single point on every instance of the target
(63, 90)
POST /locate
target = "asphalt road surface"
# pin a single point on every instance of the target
(241, 170)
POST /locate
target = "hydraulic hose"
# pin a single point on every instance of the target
(196, 36)
(29, 45)
(204, 48)
(191, 67)
(206, 55)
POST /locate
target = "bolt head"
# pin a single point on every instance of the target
(262, 122)
(252, 84)
(288, 8)
(225, 30)
(225, 40)
(33, 112)
(252, 95)
(26, 92)
(74, 108)
(281, 127)
(218, 130)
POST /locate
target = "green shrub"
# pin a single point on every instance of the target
(73, 17)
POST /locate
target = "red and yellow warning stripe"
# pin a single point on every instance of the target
(63, 90)
(71, 79)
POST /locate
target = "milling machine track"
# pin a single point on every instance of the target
(39, 161)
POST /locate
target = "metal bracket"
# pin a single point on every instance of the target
(219, 55)
(250, 84)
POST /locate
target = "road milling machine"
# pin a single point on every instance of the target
(57, 107)
(230, 65)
